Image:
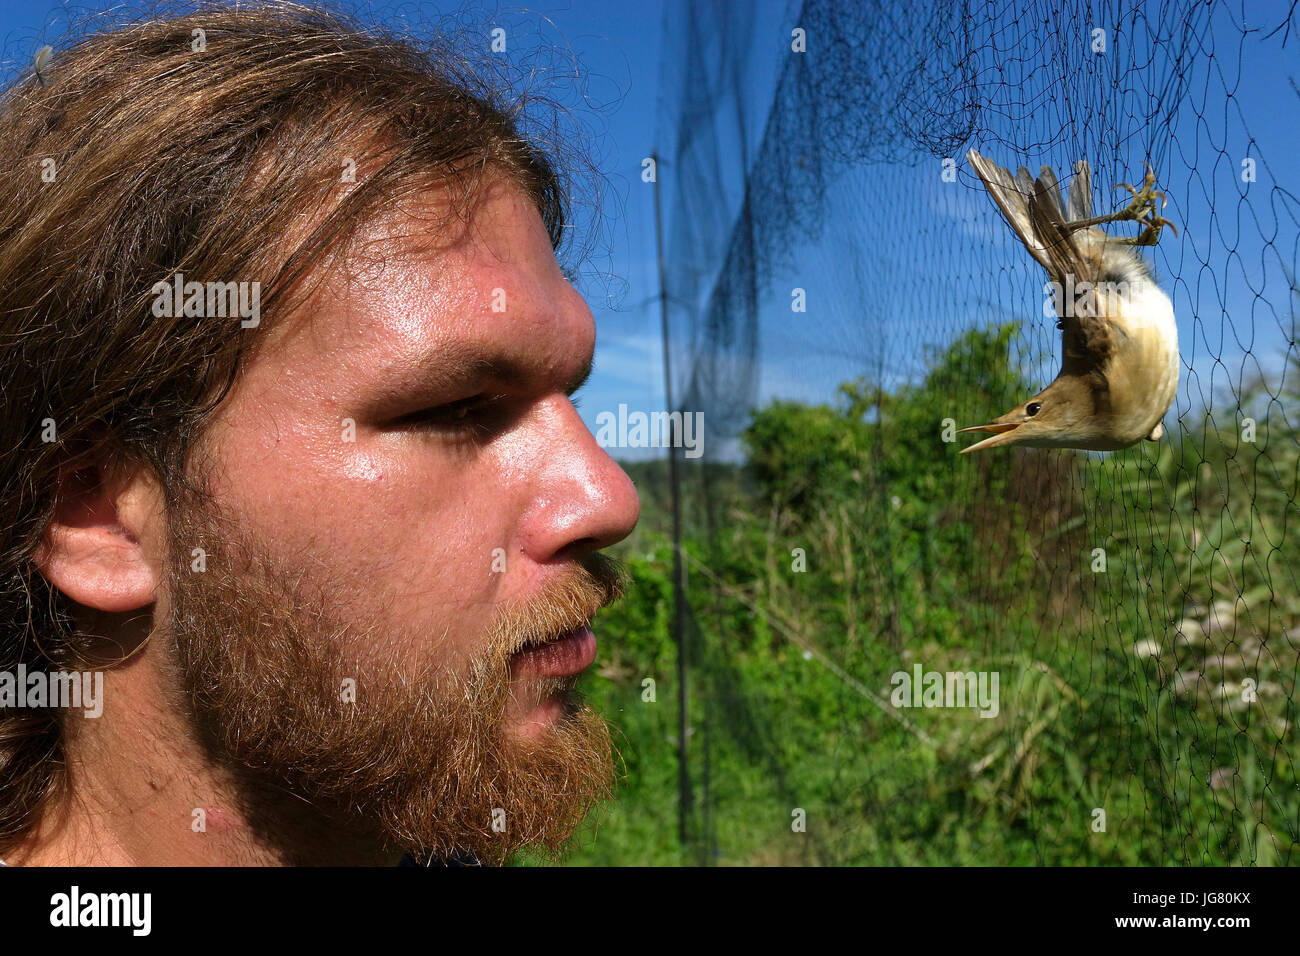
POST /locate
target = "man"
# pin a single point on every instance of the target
(290, 461)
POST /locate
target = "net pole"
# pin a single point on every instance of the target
(684, 800)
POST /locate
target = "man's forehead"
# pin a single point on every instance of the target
(489, 299)
(499, 225)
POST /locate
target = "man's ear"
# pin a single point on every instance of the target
(103, 548)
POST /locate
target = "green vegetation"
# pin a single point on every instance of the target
(1123, 690)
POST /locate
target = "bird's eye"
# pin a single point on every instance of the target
(1032, 408)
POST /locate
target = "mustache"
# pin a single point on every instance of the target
(595, 582)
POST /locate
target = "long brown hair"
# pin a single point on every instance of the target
(189, 143)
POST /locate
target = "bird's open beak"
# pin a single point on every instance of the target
(1001, 435)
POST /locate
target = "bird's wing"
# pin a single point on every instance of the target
(1078, 202)
(1078, 205)
(1047, 177)
(1033, 210)
(1011, 194)
(1085, 335)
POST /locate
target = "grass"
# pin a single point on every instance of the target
(1147, 711)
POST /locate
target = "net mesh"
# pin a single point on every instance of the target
(834, 299)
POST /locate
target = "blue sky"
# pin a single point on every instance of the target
(1223, 271)
(617, 47)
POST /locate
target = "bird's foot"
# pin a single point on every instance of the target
(1142, 210)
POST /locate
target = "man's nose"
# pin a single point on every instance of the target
(583, 500)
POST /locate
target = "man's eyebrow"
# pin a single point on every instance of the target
(459, 362)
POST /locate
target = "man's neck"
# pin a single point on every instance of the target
(139, 791)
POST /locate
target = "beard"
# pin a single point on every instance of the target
(296, 686)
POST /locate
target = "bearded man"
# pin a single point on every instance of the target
(290, 457)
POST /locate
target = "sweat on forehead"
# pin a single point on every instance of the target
(418, 247)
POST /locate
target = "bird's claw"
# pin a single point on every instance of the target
(1142, 210)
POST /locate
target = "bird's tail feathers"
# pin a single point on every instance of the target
(1054, 237)
(1044, 233)
(1078, 204)
(1011, 195)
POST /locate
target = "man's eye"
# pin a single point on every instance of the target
(470, 416)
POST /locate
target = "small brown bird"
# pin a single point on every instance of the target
(1119, 341)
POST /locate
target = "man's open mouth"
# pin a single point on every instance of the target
(562, 656)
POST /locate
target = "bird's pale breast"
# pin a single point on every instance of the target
(1143, 371)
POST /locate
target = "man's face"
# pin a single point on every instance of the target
(402, 497)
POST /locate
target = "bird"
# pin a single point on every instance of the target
(1119, 338)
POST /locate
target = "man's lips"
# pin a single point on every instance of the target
(565, 656)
